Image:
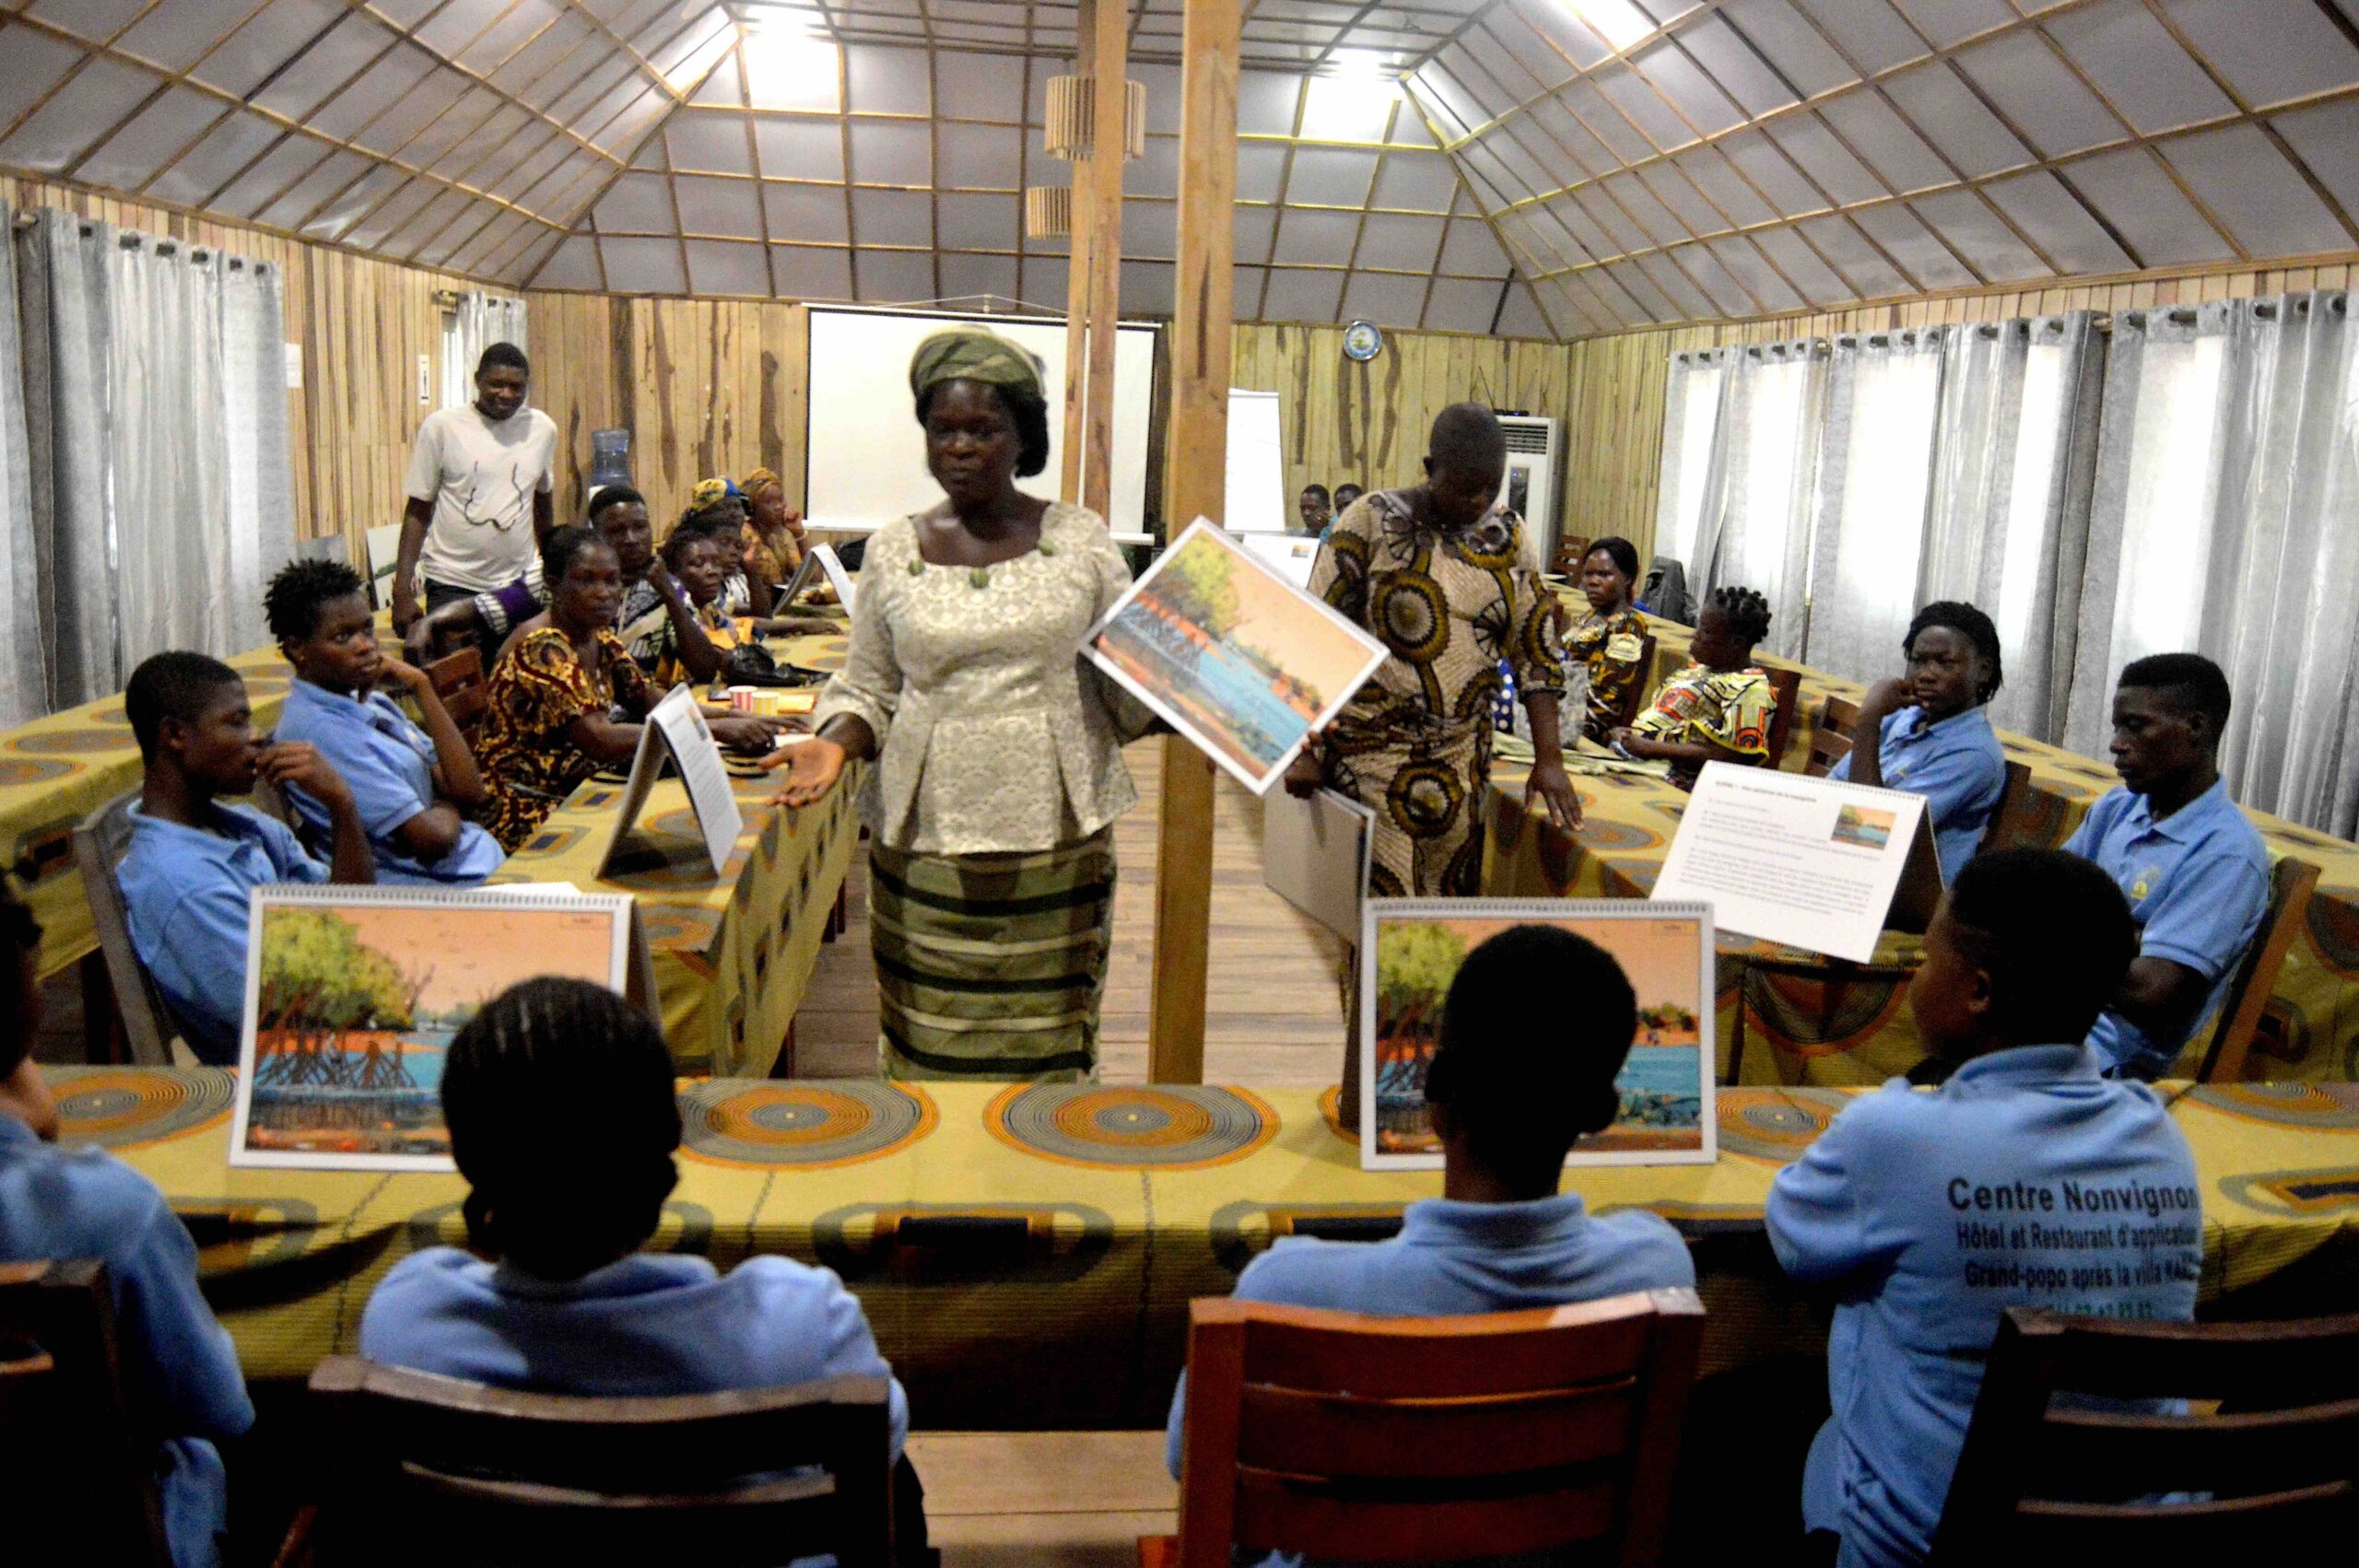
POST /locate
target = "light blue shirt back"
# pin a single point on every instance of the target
(2198, 886)
(185, 891)
(1452, 1258)
(1956, 764)
(180, 1376)
(654, 1323)
(388, 763)
(2028, 1180)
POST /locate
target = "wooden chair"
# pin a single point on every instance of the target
(384, 553)
(75, 1467)
(459, 681)
(2246, 1005)
(421, 1464)
(99, 844)
(1788, 684)
(1423, 1439)
(1634, 701)
(2280, 1459)
(1831, 742)
(2013, 823)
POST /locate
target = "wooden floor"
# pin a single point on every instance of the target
(1044, 1499)
(1274, 1016)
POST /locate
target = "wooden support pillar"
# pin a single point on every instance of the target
(1077, 284)
(1195, 475)
(1109, 143)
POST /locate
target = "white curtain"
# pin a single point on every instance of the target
(1869, 507)
(261, 486)
(1752, 527)
(66, 308)
(482, 320)
(2008, 523)
(24, 666)
(1690, 419)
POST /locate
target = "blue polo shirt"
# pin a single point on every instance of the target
(179, 1372)
(1452, 1258)
(2028, 1180)
(2198, 886)
(388, 763)
(1956, 764)
(185, 896)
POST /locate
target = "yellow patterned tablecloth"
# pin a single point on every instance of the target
(2317, 1000)
(1027, 1254)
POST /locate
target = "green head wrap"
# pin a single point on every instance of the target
(973, 354)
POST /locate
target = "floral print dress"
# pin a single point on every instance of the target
(539, 689)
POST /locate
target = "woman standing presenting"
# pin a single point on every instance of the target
(999, 768)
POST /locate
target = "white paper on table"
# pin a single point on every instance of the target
(675, 727)
(820, 561)
(1315, 855)
(1811, 864)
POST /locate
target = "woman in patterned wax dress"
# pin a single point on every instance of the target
(1611, 637)
(1442, 575)
(997, 747)
(548, 703)
(1718, 708)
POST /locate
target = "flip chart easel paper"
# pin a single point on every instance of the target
(1811, 864)
(676, 727)
(821, 562)
(1315, 855)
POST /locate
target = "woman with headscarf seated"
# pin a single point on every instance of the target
(997, 747)
(1718, 708)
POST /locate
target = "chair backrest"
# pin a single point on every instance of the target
(99, 844)
(74, 1459)
(755, 1476)
(1634, 701)
(384, 555)
(2290, 882)
(1831, 742)
(1408, 1439)
(459, 681)
(2277, 1459)
(2015, 821)
(1788, 684)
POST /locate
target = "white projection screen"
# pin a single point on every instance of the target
(867, 454)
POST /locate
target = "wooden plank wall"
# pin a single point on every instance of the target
(362, 324)
(1614, 443)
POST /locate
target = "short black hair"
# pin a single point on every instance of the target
(1467, 436)
(1521, 1075)
(171, 685)
(558, 550)
(2193, 682)
(504, 356)
(612, 495)
(559, 1095)
(1357, 490)
(675, 545)
(1620, 550)
(20, 934)
(2053, 933)
(1747, 612)
(291, 603)
(1029, 413)
(1970, 624)
(1320, 491)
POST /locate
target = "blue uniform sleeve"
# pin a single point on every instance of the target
(1822, 1212)
(850, 1349)
(184, 1360)
(293, 862)
(1842, 769)
(197, 954)
(384, 798)
(2206, 913)
(2090, 835)
(1961, 785)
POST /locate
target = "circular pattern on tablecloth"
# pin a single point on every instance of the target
(115, 1108)
(2316, 1107)
(1774, 1124)
(1600, 836)
(67, 743)
(825, 654)
(804, 1125)
(1131, 1127)
(33, 770)
(2334, 926)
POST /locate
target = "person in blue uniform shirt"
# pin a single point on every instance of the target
(558, 1096)
(194, 863)
(1929, 732)
(1515, 1082)
(2194, 870)
(183, 1388)
(413, 786)
(2026, 1179)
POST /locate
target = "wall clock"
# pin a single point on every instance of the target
(1362, 341)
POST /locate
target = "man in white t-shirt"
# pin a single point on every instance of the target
(475, 475)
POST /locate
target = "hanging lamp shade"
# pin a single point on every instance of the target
(1071, 130)
(1047, 212)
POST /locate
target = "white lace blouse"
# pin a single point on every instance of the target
(994, 732)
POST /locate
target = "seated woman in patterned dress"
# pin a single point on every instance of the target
(547, 724)
(1611, 637)
(1718, 708)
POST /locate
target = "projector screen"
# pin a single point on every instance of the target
(867, 454)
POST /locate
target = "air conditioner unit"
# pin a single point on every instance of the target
(1535, 475)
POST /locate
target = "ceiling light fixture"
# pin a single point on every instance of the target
(785, 44)
(773, 18)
